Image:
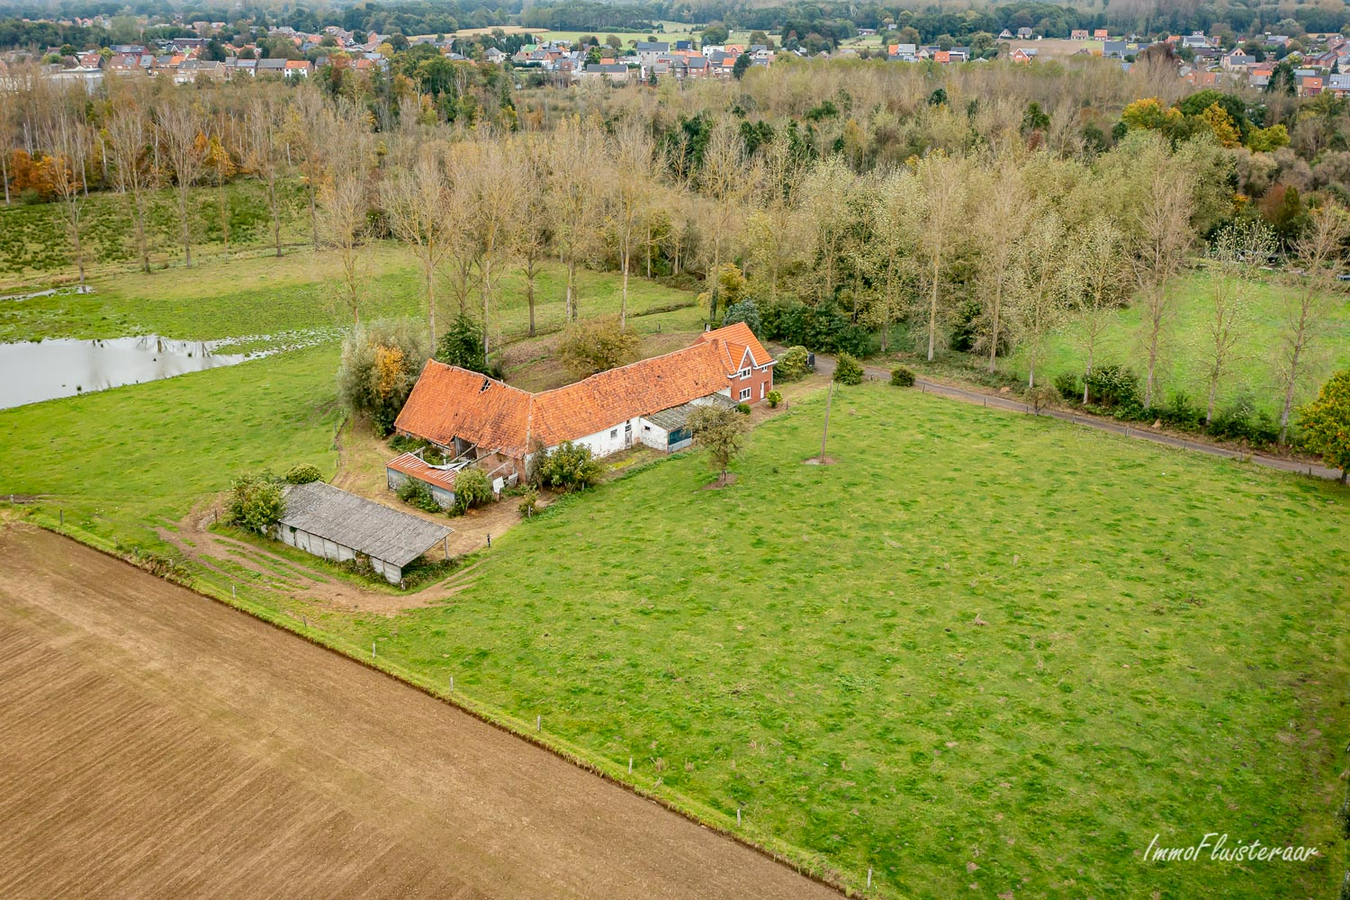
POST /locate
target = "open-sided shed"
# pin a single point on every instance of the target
(334, 524)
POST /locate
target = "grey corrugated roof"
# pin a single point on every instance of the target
(678, 416)
(363, 525)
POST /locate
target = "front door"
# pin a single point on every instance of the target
(628, 434)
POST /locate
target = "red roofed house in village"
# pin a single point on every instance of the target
(473, 418)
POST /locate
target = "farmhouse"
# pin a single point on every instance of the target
(472, 417)
(334, 524)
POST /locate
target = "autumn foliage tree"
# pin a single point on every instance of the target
(380, 364)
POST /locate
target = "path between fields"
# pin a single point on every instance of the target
(825, 365)
(159, 744)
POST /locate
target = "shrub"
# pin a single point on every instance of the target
(529, 501)
(256, 502)
(1069, 386)
(743, 408)
(303, 474)
(1111, 386)
(1241, 421)
(822, 328)
(848, 370)
(380, 364)
(570, 467)
(792, 364)
(415, 493)
(1040, 397)
(472, 488)
(1181, 413)
(774, 398)
(597, 345)
(1325, 423)
(902, 377)
(745, 311)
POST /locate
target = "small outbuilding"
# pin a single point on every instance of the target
(440, 480)
(669, 430)
(331, 523)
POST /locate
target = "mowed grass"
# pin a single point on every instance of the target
(1184, 367)
(979, 650)
(267, 295)
(120, 463)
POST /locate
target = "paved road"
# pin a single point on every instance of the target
(154, 743)
(826, 365)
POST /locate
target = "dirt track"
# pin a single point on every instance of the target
(156, 744)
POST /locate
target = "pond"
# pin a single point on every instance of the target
(44, 370)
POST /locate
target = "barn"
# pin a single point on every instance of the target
(331, 523)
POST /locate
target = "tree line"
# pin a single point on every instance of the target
(1000, 227)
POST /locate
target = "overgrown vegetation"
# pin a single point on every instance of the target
(380, 364)
(256, 503)
(569, 467)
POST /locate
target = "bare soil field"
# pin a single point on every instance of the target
(158, 744)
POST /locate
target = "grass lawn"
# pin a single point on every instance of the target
(980, 649)
(270, 296)
(1183, 365)
(124, 461)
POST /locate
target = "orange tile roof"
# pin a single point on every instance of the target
(738, 338)
(414, 466)
(449, 402)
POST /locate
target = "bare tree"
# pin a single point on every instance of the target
(8, 130)
(181, 127)
(71, 141)
(220, 161)
(1163, 237)
(574, 182)
(943, 199)
(414, 199)
(632, 174)
(722, 178)
(127, 138)
(1098, 285)
(828, 218)
(1234, 256)
(342, 225)
(535, 234)
(1308, 312)
(309, 134)
(265, 155)
(771, 228)
(493, 193)
(1005, 201)
(1038, 289)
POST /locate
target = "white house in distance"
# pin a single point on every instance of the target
(471, 417)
